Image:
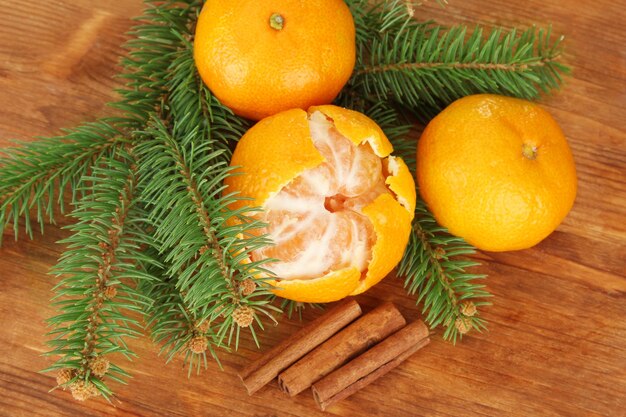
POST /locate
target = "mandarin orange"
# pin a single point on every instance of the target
(496, 171)
(263, 57)
(337, 204)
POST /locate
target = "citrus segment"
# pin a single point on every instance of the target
(352, 170)
(311, 245)
(312, 230)
(358, 128)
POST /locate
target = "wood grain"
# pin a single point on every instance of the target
(556, 344)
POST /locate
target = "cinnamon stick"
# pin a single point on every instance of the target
(350, 342)
(371, 365)
(263, 370)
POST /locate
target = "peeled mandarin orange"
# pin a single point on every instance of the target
(337, 205)
(262, 57)
(496, 171)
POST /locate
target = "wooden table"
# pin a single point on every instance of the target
(556, 343)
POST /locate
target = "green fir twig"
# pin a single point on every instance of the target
(423, 66)
(99, 274)
(36, 175)
(174, 326)
(183, 189)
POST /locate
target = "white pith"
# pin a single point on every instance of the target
(309, 217)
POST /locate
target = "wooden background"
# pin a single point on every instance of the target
(557, 336)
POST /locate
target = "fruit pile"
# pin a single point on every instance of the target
(338, 206)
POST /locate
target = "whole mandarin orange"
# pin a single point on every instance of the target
(261, 57)
(338, 206)
(496, 171)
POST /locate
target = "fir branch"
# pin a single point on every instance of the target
(164, 31)
(424, 67)
(174, 326)
(92, 323)
(435, 267)
(513, 67)
(98, 269)
(37, 174)
(427, 68)
(172, 173)
(371, 19)
(194, 107)
(187, 153)
(204, 251)
(32, 175)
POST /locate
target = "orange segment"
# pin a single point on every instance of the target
(392, 225)
(358, 128)
(320, 241)
(331, 287)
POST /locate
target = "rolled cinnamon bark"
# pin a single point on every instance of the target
(350, 342)
(371, 365)
(263, 370)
